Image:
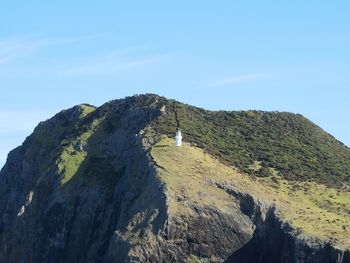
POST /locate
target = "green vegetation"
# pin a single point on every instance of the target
(314, 208)
(193, 259)
(282, 143)
(191, 176)
(70, 162)
(51, 138)
(183, 171)
(86, 110)
(59, 142)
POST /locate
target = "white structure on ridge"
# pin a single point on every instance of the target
(178, 138)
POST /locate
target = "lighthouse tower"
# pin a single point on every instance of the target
(178, 138)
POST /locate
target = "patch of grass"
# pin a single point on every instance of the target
(190, 176)
(315, 208)
(193, 259)
(69, 163)
(86, 110)
(185, 171)
(54, 137)
(73, 153)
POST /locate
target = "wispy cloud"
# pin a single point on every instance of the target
(106, 63)
(111, 63)
(235, 80)
(16, 48)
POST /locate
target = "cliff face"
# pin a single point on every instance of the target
(73, 184)
(104, 185)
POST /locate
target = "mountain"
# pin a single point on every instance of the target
(108, 184)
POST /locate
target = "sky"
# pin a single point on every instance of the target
(229, 55)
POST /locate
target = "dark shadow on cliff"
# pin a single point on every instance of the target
(95, 202)
(274, 242)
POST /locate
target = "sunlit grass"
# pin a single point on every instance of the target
(73, 154)
(191, 175)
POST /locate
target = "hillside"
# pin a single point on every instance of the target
(285, 143)
(313, 209)
(107, 184)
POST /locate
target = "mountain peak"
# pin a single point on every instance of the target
(103, 184)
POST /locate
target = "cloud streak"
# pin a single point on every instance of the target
(111, 64)
(235, 80)
(16, 48)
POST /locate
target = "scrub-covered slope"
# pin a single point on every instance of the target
(107, 185)
(286, 143)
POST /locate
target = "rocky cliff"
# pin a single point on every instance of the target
(107, 184)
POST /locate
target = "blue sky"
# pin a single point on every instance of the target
(232, 55)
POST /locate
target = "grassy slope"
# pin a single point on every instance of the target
(284, 143)
(189, 173)
(61, 141)
(73, 154)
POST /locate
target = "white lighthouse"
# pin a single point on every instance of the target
(178, 138)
